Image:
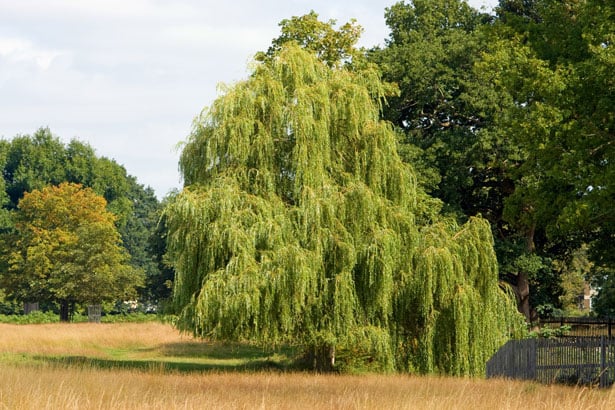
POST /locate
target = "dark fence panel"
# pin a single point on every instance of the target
(573, 360)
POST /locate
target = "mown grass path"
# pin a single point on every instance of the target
(130, 346)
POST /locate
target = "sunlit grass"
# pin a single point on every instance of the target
(127, 345)
(73, 387)
(152, 366)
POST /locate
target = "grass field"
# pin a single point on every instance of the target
(151, 366)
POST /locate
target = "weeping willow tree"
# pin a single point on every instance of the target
(300, 224)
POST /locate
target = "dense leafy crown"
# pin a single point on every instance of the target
(299, 223)
(67, 249)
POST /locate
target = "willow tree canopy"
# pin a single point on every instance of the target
(300, 224)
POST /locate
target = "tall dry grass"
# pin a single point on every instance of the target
(85, 338)
(45, 385)
(84, 388)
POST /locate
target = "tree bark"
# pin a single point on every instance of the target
(523, 282)
(322, 358)
(66, 310)
(523, 294)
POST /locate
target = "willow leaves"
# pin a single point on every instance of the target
(300, 224)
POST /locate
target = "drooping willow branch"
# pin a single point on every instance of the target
(300, 224)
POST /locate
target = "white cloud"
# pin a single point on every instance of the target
(19, 50)
(129, 76)
(97, 9)
(218, 37)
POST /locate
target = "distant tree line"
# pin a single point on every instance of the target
(36, 163)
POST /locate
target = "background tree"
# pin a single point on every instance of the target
(553, 67)
(445, 114)
(67, 250)
(331, 46)
(144, 235)
(160, 285)
(495, 114)
(300, 224)
(40, 160)
(33, 163)
(441, 107)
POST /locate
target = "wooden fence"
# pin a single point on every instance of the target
(572, 360)
(94, 313)
(582, 326)
(29, 307)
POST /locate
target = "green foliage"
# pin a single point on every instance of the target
(40, 317)
(447, 110)
(553, 60)
(135, 317)
(604, 302)
(8, 307)
(442, 106)
(160, 285)
(33, 163)
(331, 46)
(300, 224)
(511, 118)
(140, 234)
(40, 160)
(67, 250)
(549, 332)
(574, 277)
(37, 317)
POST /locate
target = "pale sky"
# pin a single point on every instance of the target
(129, 76)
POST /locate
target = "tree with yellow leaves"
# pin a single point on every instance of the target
(67, 250)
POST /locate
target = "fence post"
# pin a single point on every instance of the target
(533, 357)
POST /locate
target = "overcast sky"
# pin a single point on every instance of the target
(129, 76)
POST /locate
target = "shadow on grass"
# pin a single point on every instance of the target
(221, 351)
(163, 366)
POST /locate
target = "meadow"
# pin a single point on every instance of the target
(152, 366)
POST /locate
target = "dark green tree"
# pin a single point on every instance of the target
(160, 284)
(446, 114)
(138, 237)
(33, 163)
(555, 68)
(443, 110)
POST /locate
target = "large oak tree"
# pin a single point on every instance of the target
(553, 60)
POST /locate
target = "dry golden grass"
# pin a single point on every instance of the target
(86, 388)
(86, 339)
(69, 386)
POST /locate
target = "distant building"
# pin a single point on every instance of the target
(585, 299)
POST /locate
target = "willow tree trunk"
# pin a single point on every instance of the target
(321, 358)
